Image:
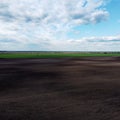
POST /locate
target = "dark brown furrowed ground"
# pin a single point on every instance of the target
(60, 89)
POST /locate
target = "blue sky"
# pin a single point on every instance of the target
(66, 25)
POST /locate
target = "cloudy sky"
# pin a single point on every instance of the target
(60, 25)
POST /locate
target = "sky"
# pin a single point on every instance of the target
(60, 25)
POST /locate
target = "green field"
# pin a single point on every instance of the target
(55, 55)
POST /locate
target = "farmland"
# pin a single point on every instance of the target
(56, 54)
(80, 88)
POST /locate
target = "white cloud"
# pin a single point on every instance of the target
(103, 43)
(46, 22)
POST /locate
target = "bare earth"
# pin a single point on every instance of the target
(60, 89)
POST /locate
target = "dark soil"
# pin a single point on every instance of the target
(60, 89)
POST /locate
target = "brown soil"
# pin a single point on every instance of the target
(60, 89)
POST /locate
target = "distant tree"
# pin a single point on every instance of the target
(105, 52)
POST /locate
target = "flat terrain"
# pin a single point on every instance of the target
(57, 54)
(60, 89)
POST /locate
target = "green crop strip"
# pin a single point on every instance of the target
(55, 55)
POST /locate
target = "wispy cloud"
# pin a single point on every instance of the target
(46, 22)
(104, 39)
